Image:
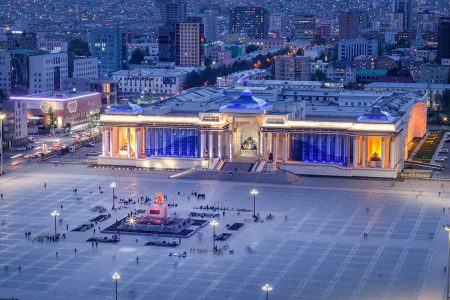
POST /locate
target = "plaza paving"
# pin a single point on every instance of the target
(312, 249)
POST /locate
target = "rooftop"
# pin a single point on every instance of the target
(54, 96)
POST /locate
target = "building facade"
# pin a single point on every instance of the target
(352, 23)
(443, 50)
(83, 67)
(304, 137)
(305, 26)
(252, 20)
(349, 49)
(189, 45)
(292, 68)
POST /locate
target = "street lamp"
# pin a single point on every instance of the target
(214, 223)
(267, 288)
(447, 227)
(55, 214)
(254, 192)
(116, 277)
(2, 116)
(113, 185)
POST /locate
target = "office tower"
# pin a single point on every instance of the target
(173, 11)
(20, 40)
(401, 15)
(443, 38)
(349, 49)
(305, 25)
(210, 24)
(352, 23)
(252, 20)
(189, 42)
(276, 22)
(166, 42)
(427, 22)
(25, 71)
(109, 45)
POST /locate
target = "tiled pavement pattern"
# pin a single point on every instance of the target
(312, 249)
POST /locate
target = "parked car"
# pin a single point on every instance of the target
(441, 159)
(443, 151)
(89, 145)
(447, 140)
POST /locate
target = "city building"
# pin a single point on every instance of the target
(270, 43)
(167, 42)
(341, 72)
(369, 76)
(19, 40)
(83, 67)
(15, 126)
(173, 11)
(157, 81)
(241, 78)
(24, 71)
(107, 87)
(52, 45)
(305, 26)
(292, 68)
(189, 43)
(349, 49)
(443, 40)
(429, 89)
(252, 20)
(109, 45)
(352, 23)
(427, 23)
(69, 107)
(433, 73)
(357, 133)
(401, 16)
(276, 23)
(210, 17)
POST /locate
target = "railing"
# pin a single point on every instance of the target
(69, 160)
(425, 175)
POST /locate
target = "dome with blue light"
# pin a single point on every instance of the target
(376, 115)
(246, 103)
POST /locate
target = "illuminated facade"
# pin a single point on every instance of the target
(326, 134)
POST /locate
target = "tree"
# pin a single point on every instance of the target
(208, 61)
(51, 118)
(318, 75)
(300, 52)
(137, 57)
(79, 47)
(252, 48)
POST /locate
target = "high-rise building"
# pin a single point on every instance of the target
(109, 45)
(210, 24)
(252, 20)
(276, 23)
(19, 40)
(305, 26)
(25, 71)
(292, 68)
(427, 22)
(443, 51)
(402, 15)
(166, 42)
(352, 23)
(349, 49)
(190, 42)
(173, 11)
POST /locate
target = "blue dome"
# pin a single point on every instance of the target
(376, 115)
(246, 103)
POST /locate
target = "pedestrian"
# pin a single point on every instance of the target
(92, 244)
(75, 250)
(61, 207)
(179, 240)
(45, 185)
(20, 269)
(223, 214)
(1, 196)
(445, 269)
(137, 258)
(67, 227)
(443, 210)
(56, 253)
(94, 230)
(439, 194)
(99, 188)
(96, 244)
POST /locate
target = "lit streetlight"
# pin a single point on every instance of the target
(214, 223)
(113, 185)
(254, 192)
(55, 214)
(116, 277)
(267, 288)
(447, 227)
(2, 116)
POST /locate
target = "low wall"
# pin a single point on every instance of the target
(336, 170)
(153, 162)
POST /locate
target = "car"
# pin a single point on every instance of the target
(89, 145)
(447, 140)
(443, 151)
(441, 159)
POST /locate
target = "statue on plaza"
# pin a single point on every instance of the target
(249, 144)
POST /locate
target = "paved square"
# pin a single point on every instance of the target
(312, 249)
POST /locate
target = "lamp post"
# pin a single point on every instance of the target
(267, 288)
(116, 277)
(214, 223)
(55, 214)
(447, 228)
(2, 116)
(113, 185)
(254, 192)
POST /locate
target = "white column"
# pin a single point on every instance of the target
(111, 142)
(382, 154)
(230, 143)
(137, 142)
(211, 145)
(284, 147)
(363, 150)
(328, 154)
(128, 142)
(391, 153)
(202, 143)
(264, 154)
(274, 146)
(355, 152)
(104, 142)
(337, 148)
(219, 140)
